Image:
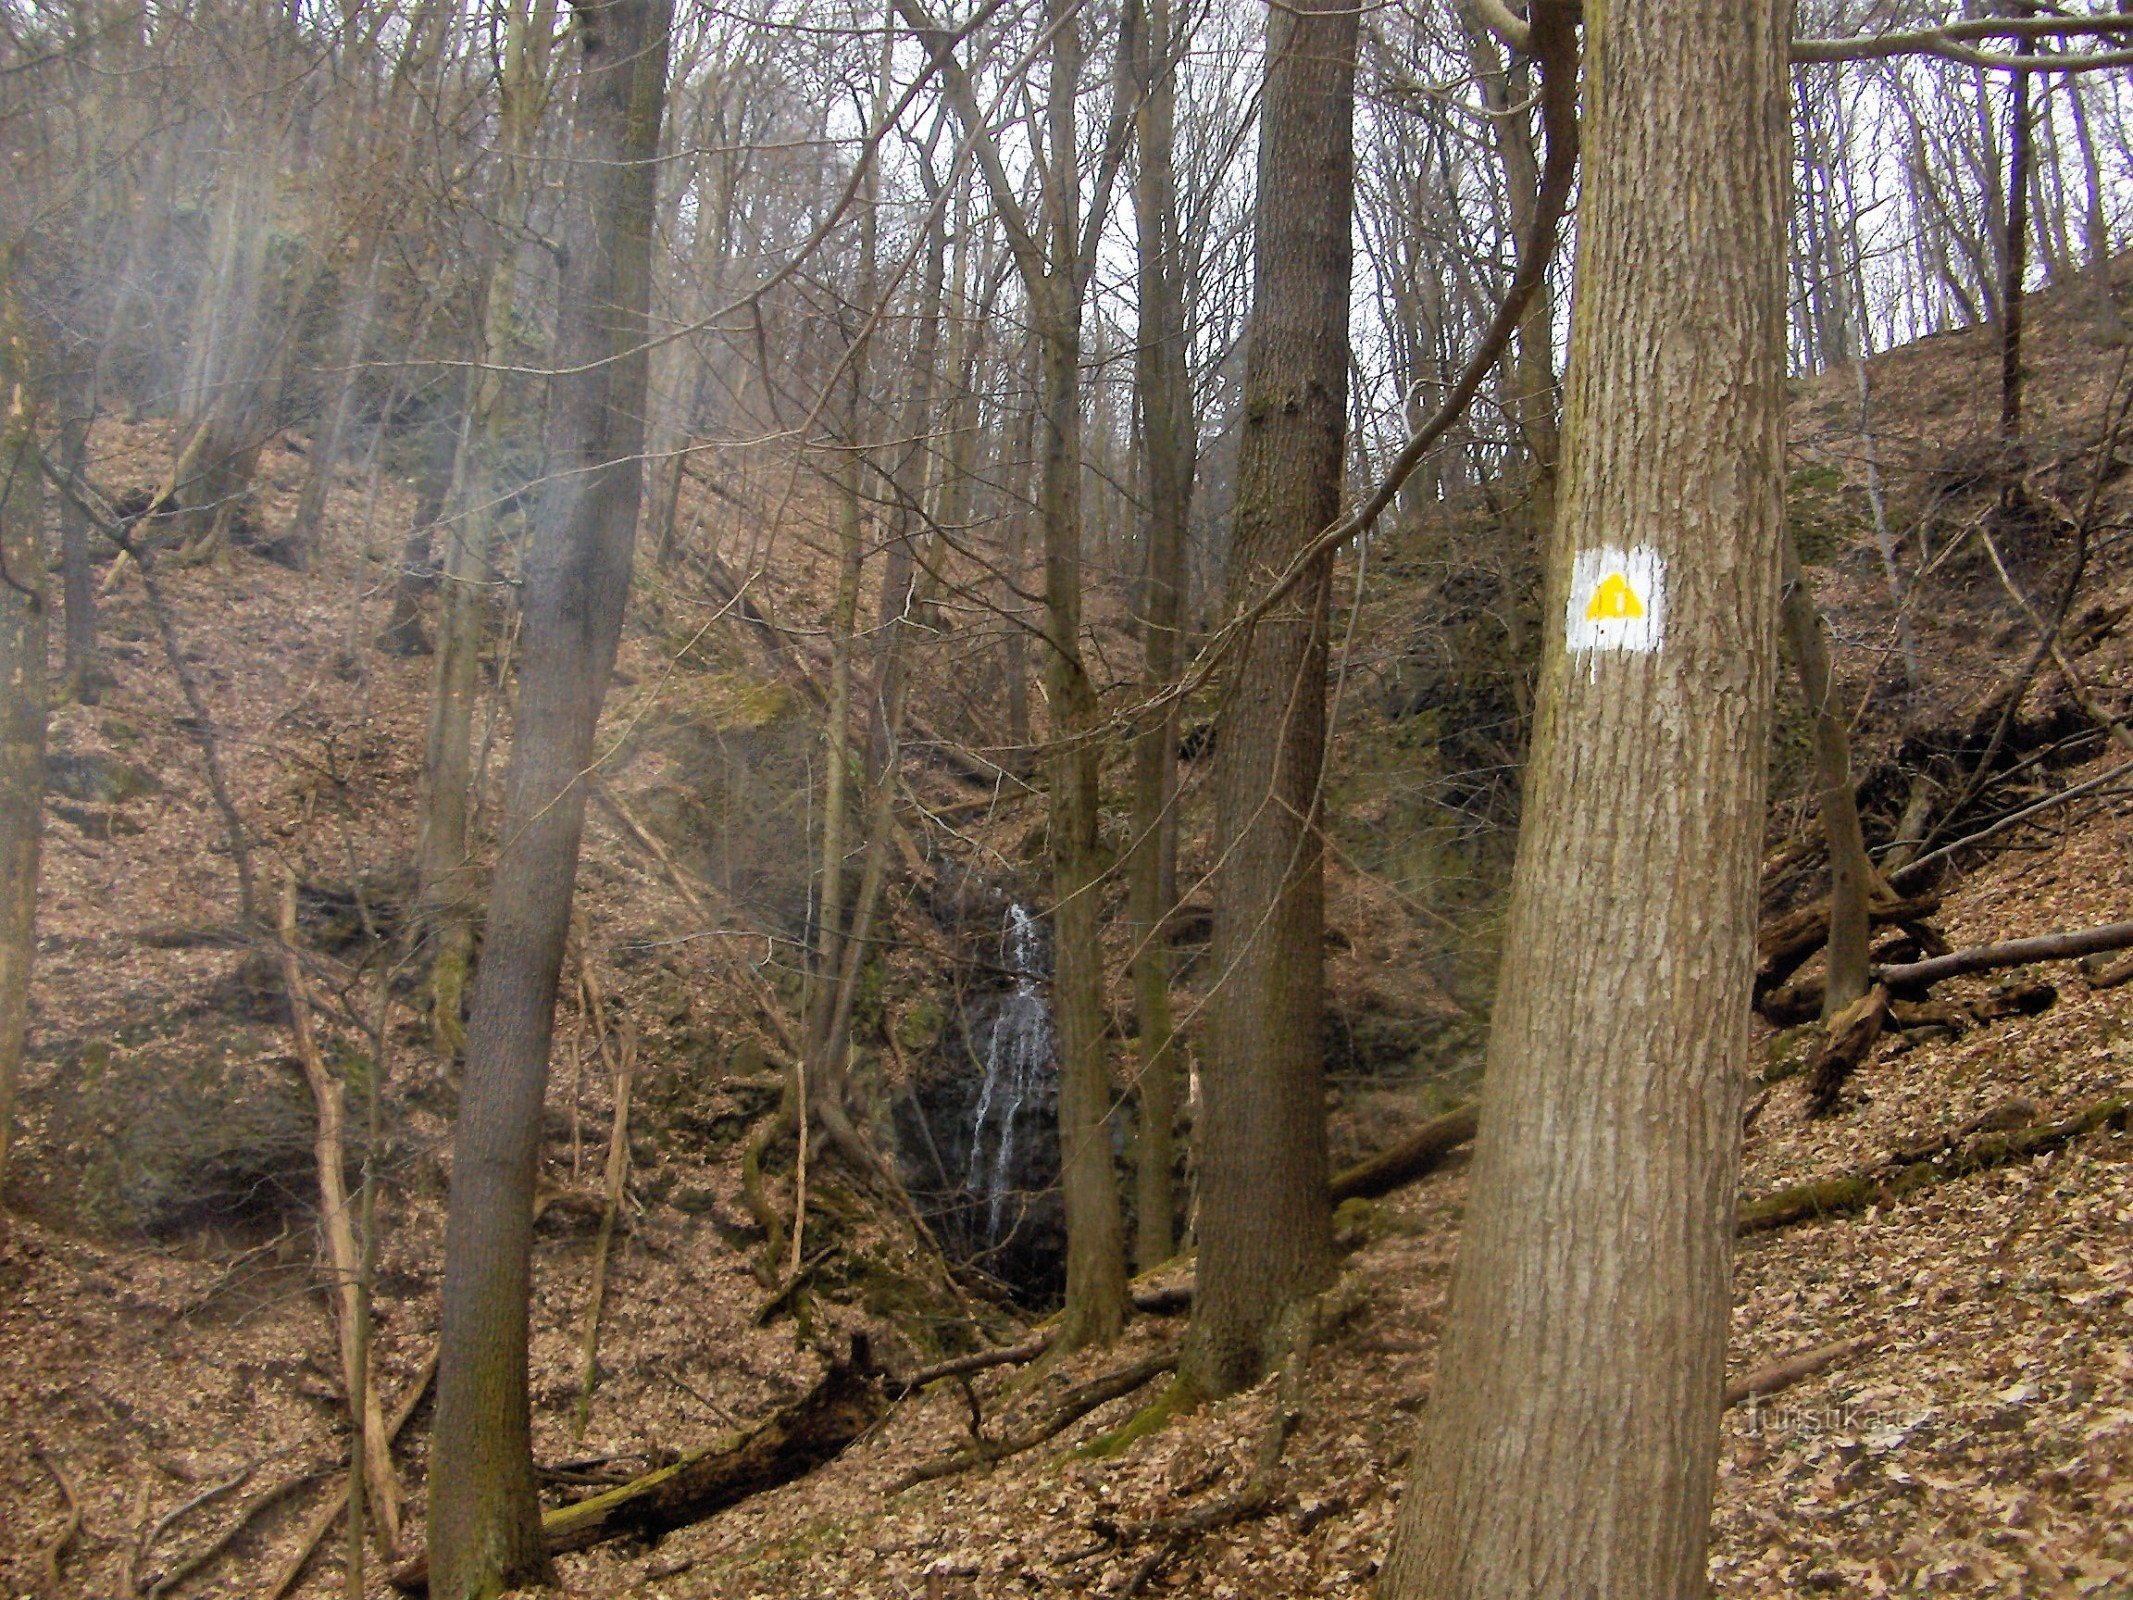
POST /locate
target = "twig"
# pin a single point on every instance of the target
(207, 1496)
(55, 1549)
(960, 1366)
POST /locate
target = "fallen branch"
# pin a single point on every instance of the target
(328, 1513)
(1077, 1404)
(1786, 1371)
(342, 1252)
(793, 1441)
(1013, 1355)
(1790, 941)
(618, 1170)
(2012, 953)
(1832, 1197)
(1420, 1153)
(56, 1547)
(2011, 819)
(2112, 975)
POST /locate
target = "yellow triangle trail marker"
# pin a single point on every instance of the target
(1617, 601)
(1614, 598)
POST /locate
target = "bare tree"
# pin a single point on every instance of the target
(484, 1525)
(1572, 1441)
(1266, 1235)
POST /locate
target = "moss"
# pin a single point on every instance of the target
(1819, 511)
(1176, 1399)
(1790, 1052)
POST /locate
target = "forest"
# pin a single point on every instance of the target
(968, 798)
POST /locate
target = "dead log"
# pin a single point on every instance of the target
(1851, 1034)
(1789, 942)
(1789, 1370)
(1835, 1197)
(790, 1443)
(1419, 1154)
(1916, 975)
(2108, 974)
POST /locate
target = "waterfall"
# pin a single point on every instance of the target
(1017, 1054)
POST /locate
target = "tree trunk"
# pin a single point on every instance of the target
(1266, 1233)
(447, 883)
(484, 1528)
(22, 722)
(86, 677)
(1571, 1446)
(1169, 437)
(2014, 245)
(1851, 875)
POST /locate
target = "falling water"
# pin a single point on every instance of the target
(1017, 1054)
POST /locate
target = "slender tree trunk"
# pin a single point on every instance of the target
(2014, 246)
(826, 1081)
(1096, 1247)
(1266, 1236)
(22, 720)
(1851, 876)
(84, 662)
(447, 877)
(1572, 1437)
(416, 576)
(484, 1527)
(326, 447)
(1850, 871)
(1169, 437)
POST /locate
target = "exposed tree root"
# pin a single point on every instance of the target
(1260, 1492)
(1076, 1405)
(1852, 1032)
(329, 1511)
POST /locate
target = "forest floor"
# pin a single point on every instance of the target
(157, 1341)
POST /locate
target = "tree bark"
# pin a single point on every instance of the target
(1572, 1447)
(1851, 875)
(22, 720)
(1169, 438)
(447, 880)
(484, 1523)
(1266, 1239)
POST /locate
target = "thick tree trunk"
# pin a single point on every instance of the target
(22, 723)
(1168, 441)
(1266, 1237)
(484, 1527)
(1572, 1444)
(1851, 875)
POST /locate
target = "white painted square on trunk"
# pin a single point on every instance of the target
(1617, 600)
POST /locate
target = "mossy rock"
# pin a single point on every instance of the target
(162, 1138)
(96, 779)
